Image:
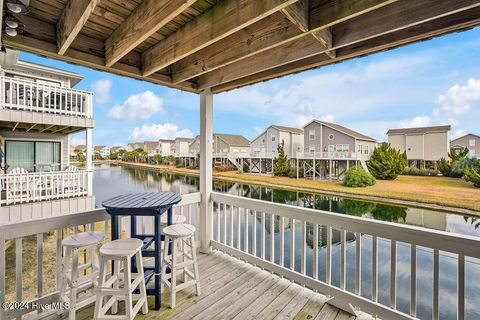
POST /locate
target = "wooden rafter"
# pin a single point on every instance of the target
(15, 126)
(31, 127)
(47, 128)
(266, 34)
(72, 20)
(60, 129)
(325, 38)
(298, 14)
(227, 16)
(148, 18)
(458, 21)
(371, 25)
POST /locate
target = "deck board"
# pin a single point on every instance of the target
(233, 289)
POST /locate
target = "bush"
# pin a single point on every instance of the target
(386, 163)
(357, 177)
(292, 173)
(412, 171)
(444, 167)
(472, 175)
(280, 165)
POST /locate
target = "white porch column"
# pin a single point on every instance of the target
(206, 138)
(89, 154)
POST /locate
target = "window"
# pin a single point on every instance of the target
(360, 148)
(311, 149)
(471, 142)
(274, 138)
(331, 136)
(29, 154)
(366, 149)
(263, 140)
(311, 134)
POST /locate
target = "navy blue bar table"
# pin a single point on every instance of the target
(140, 205)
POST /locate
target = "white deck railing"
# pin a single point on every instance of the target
(269, 247)
(24, 95)
(19, 188)
(43, 284)
(334, 155)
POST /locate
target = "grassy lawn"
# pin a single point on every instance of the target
(442, 191)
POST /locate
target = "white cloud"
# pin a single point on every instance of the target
(138, 106)
(458, 133)
(419, 121)
(77, 140)
(101, 89)
(159, 131)
(459, 98)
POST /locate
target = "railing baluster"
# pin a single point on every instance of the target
(239, 220)
(436, 284)
(254, 232)
(272, 237)
(413, 280)
(374, 268)
(231, 225)
(18, 268)
(219, 207)
(315, 251)
(262, 249)
(292, 244)
(39, 265)
(329, 255)
(224, 223)
(393, 274)
(282, 241)
(245, 231)
(461, 287)
(343, 258)
(358, 263)
(303, 263)
(2, 274)
(59, 256)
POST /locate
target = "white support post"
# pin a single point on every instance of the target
(206, 138)
(89, 155)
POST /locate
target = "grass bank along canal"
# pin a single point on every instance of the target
(111, 180)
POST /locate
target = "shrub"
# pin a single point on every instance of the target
(357, 177)
(444, 167)
(412, 171)
(386, 163)
(292, 173)
(472, 175)
(170, 160)
(280, 165)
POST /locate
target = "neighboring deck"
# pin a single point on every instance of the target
(233, 289)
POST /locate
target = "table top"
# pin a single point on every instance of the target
(155, 201)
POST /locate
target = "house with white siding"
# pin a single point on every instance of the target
(164, 147)
(39, 109)
(265, 145)
(181, 146)
(470, 141)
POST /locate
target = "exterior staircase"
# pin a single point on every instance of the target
(363, 163)
(234, 162)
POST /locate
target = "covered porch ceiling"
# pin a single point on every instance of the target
(220, 45)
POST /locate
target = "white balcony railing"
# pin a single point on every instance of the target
(42, 285)
(334, 155)
(24, 95)
(19, 188)
(267, 243)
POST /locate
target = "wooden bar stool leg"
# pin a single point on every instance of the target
(127, 285)
(116, 283)
(164, 261)
(143, 289)
(195, 265)
(74, 285)
(173, 280)
(101, 283)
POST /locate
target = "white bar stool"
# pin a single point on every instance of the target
(121, 252)
(74, 278)
(181, 237)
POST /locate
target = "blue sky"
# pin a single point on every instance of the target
(428, 83)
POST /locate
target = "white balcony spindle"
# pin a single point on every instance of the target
(329, 255)
(272, 237)
(393, 274)
(254, 232)
(343, 258)
(436, 285)
(39, 264)
(239, 222)
(315, 251)
(262, 249)
(374, 268)
(292, 244)
(413, 280)
(461, 287)
(282, 241)
(303, 262)
(245, 230)
(19, 268)
(231, 225)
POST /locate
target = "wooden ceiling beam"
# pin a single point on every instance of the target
(15, 126)
(326, 39)
(380, 22)
(266, 34)
(220, 21)
(47, 128)
(72, 20)
(145, 20)
(31, 127)
(298, 14)
(289, 52)
(455, 22)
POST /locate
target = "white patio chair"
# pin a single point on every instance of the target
(18, 185)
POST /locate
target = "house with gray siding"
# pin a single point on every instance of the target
(227, 144)
(330, 140)
(265, 145)
(470, 141)
(39, 110)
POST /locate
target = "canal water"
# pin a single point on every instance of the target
(111, 180)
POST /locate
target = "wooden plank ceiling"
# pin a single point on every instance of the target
(225, 44)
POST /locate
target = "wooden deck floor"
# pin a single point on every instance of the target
(232, 289)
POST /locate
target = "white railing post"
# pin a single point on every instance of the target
(206, 138)
(89, 151)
